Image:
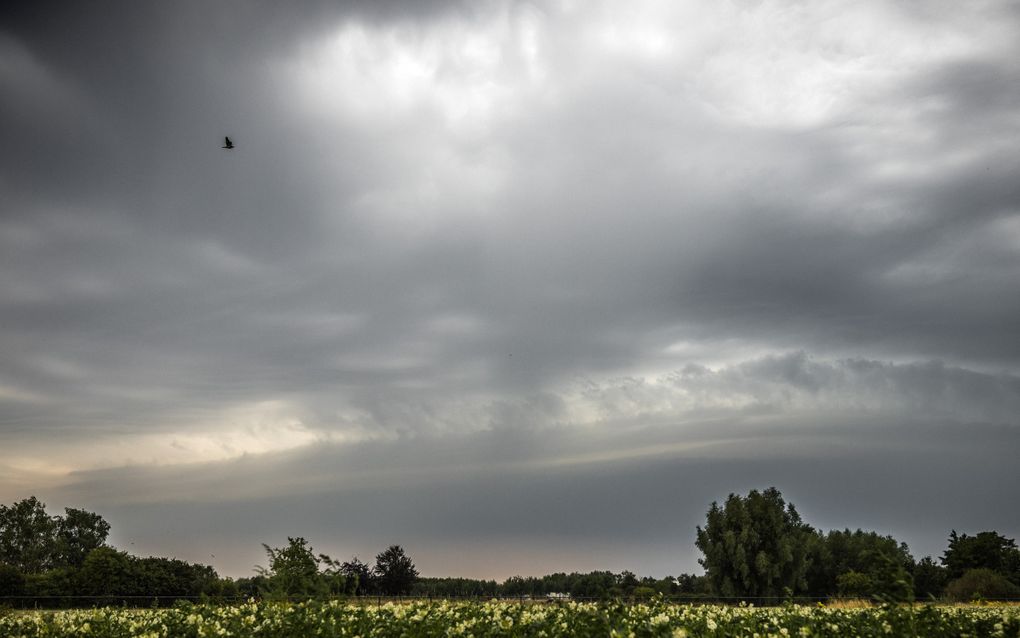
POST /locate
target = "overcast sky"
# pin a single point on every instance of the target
(523, 287)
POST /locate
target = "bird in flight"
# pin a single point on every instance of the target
(227, 144)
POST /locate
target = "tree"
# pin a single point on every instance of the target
(157, 576)
(859, 563)
(358, 576)
(293, 570)
(78, 532)
(929, 579)
(755, 546)
(597, 584)
(394, 571)
(332, 577)
(27, 536)
(107, 572)
(626, 583)
(890, 580)
(987, 550)
(34, 541)
(689, 585)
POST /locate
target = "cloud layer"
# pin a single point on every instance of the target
(469, 261)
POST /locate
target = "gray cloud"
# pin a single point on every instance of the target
(850, 442)
(526, 238)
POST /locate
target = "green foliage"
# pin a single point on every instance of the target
(334, 582)
(597, 584)
(853, 584)
(27, 536)
(358, 577)
(455, 588)
(929, 579)
(987, 550)
(106, 572)
(981, 584)
(394, 571)
(252, 587)
(689, 585)
(33, 541)
(174, 578)
(890, 580)
(12, 581)
(643, 592)
(78, 532)
(755, 546)
(880, 558)
(293, 570)
(52, 584)
(592, 585)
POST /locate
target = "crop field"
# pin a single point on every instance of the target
(336, 618)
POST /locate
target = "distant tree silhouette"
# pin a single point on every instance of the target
(987, 550)
(394, 571)
(359, 577)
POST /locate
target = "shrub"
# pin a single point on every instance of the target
(981, 584)
(12, 581)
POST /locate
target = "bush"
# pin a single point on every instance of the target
(12, 581)
(981, 584)
(853, 584)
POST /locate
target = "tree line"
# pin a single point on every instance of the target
(758, 546)
(754, 547)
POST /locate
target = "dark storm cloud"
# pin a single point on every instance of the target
(528, 238)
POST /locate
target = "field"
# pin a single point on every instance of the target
(335, 618)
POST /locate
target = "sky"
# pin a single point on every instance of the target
(523, 287)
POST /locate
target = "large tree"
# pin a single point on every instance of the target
(294, 569)
(987, 550)
(395, 573)
(108, 572)
(78, 532)
(358, 575)
(755, 546)
(27, 536)
(859, 563)
(33, 541)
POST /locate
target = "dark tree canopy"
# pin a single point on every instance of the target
(33, 541)
(755, 546)
(78, 533)
(986, 550)
(27, 536)
(12, 581)
(929, 579)
(395, 573)
(859, 563)
(358, 575)
(107, 571)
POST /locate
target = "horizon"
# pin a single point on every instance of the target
(509, 284)
(369, 557)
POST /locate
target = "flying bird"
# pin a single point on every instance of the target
(227, 144)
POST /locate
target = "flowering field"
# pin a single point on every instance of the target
(511, 619)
